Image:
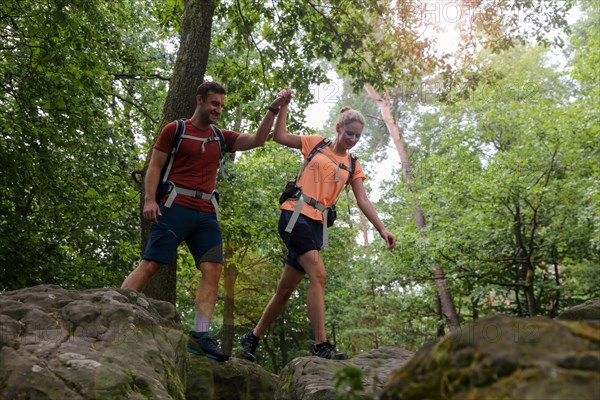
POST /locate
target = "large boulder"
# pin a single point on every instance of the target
(110, 344)
(361, 377)
(118, 344)
(586, 311)
(500, 357)
(232, 380)
(101, 343)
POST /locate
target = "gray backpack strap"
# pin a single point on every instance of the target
(295, 214)
(314, 203)
(212, 197)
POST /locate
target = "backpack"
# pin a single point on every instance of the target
(293, 191)
(164, 185)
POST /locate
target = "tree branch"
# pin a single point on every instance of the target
(249, 31)
(136, 105)
(142, 76)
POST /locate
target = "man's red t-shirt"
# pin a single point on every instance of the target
(194, 168)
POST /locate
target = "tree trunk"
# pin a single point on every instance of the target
(163, 285)
(556, 301)
(188, 74)
(524, 259)
(475, 308)
(448, 308)
(192, 58)
(230, 276)
(517, 290)
(438, 314)
(231, 273)
(529, 292)
(282, 344)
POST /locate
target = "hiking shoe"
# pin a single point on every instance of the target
(249, 343)
(207, 346)
(326, 350)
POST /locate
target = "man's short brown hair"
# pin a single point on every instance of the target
(206, 87)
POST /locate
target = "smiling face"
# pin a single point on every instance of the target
(349, 134)
(211, 108)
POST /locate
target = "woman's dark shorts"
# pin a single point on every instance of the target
(200, 230)
(306, 235)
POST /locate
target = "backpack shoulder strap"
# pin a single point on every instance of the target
(323, 143)
(350, 175)
(221, 138)
(179, 131)
(352, 167)
(311, 154)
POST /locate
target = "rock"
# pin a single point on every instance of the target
(500, 357)
(235, 379)
(100, 343)
(110, 344)
(118, 344)
(313, 378)
(587, 311)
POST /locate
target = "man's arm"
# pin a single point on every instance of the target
(247, 141)
(157, 161)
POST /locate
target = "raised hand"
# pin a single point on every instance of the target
(284, 97)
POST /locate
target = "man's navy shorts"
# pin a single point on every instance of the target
(200, 230)
(306, 235)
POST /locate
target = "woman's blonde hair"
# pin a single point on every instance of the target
(348, 115)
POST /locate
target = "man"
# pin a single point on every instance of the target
(189, 212)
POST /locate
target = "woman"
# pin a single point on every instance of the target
(322, 179)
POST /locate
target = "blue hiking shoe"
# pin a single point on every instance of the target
(207, 346)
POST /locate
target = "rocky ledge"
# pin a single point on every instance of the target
(118, 344)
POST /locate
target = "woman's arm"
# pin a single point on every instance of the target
(368, 209)
(280, 134)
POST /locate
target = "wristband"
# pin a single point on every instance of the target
(273, 110)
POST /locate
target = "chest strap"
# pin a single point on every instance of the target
(302, 199)
(175, 191)
(203, 140)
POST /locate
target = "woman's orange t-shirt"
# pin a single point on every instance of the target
(318, 180)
